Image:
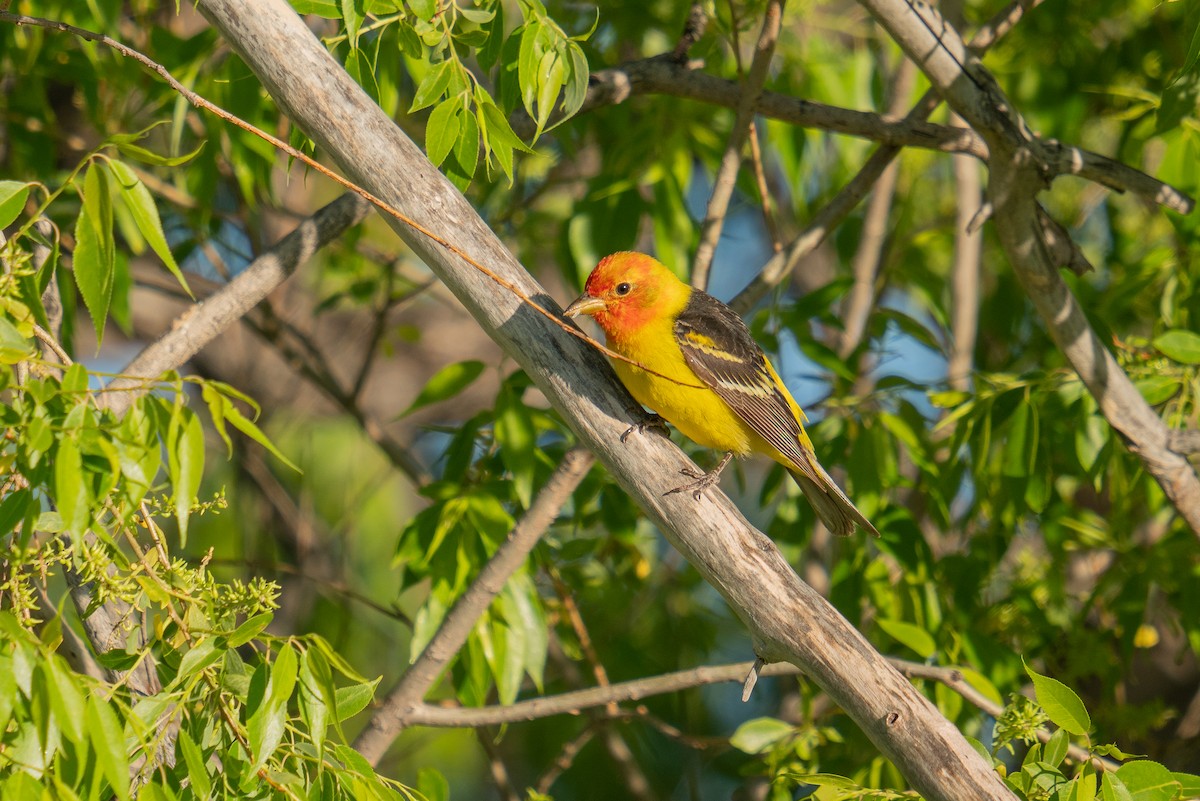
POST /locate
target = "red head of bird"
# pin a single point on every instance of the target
(627, 290)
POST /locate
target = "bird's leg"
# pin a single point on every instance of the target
(650, 421)
(703, 480)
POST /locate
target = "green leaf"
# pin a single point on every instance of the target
(577, 83)
(1158, 389)
(251, 430)
(13, 195)
(446, 383)
(283, 674)
(1189, 782)
(443, 130)
(1148, 781)
(759, 735)
(13, 347)
(187, 467)
(196, 766)
(1182, 346)
(352, 16)
(914, 637)
(70, 490)
(321, 8)
(354, 699)
(268, 723)
(141, 206)
(150, 157)
(424, 9)
(1020, 446)
(66, 700)
(108, 741)
(249, 629)
(315, 697)
(1056, 749)
(433, 785)
(550, 71)
(433, 85)
(265, 731)
(825, 780)
(203, 654)
(94, 268)
(517, 438)
(466, 150)
(1061, 703)
(1113, 789)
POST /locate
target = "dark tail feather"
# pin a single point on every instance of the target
(836, 511)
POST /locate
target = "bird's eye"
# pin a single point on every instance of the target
(623, 288)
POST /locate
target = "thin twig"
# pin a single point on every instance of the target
(868, 258)
(566, 758)
(497, 767)
(47, 339)
(964, 278)
(693, 29)
(394, 714)
(726, 178)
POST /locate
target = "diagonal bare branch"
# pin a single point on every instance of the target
(394, 714)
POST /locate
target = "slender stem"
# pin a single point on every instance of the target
(723, 184)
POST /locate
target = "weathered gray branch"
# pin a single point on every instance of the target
(1018, 165)
(786, 619)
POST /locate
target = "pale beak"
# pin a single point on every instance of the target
(585, 304)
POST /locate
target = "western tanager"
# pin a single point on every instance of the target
(713, 381)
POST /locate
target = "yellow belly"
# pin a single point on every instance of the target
(699, 414)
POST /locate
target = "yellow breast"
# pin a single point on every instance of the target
(677, 393)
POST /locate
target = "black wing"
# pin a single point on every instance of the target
(718, 347)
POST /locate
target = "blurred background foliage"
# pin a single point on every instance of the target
(1016, 524)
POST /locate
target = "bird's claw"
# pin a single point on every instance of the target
(703, 481)
(650, 421)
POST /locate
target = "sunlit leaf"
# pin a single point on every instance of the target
(1182, 346)
(1060, 702)
(760, 734)
(13, 195)
(915, 637)
(108, 741)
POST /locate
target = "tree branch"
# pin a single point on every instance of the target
(1018, 166)
(202, 323)
(786, 619)
(662, 75)
(869, 255)
(964, 277)
(731, 161)
(394, 714)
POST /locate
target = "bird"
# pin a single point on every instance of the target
(697, 366)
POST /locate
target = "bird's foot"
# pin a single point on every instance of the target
(703, 480)
(651, 421)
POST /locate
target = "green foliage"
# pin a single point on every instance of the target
(1018, 529)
